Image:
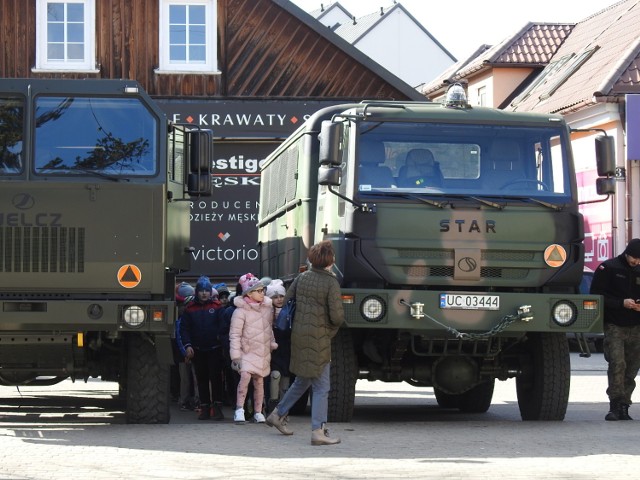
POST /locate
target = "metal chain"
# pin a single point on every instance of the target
(499, 327)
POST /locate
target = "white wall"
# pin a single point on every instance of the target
(333, 16)
(402, 47)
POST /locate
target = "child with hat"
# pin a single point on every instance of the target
(188, 396)
(251, 342)
(201, 330)
(280, 376)
(223, 293)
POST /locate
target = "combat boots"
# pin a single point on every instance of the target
(624, 412)
(321, 436)
(617, 411)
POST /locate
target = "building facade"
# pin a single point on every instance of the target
(251, 70)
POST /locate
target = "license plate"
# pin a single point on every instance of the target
(469, 302)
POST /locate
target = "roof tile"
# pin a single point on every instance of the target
(612, 67)
(532, 45)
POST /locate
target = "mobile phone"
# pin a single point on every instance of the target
(637, 300)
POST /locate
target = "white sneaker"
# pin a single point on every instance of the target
(238, 416)
(259, 418)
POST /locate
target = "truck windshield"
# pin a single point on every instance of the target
(82, 135)
(458, 159)
(11, 128)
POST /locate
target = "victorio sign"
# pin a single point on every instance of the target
(223, 227)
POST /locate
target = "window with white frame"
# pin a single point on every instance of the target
(188, 39)
(65, 35)
(482, 96)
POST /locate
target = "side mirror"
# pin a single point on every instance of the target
(198, 184)
(200, 159)
(330, 143)
(605, 156)
(605, 186)
(331, 176)
(200, 150)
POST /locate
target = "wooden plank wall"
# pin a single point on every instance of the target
(263, 51)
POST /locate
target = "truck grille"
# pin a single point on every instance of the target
(485, 272)
(444, 271)
(42, 249)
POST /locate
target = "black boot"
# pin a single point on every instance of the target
(624, 412)
(217, 411)
(205, 411)
(615, 411)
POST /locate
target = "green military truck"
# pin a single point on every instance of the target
(94, 227)
(459, 247)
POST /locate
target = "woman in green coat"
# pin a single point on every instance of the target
(319, 314)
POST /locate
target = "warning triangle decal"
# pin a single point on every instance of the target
(129, 276)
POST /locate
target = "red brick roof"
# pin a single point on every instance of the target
(598, 61)
(531, 46)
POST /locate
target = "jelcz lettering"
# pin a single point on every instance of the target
(26, 220)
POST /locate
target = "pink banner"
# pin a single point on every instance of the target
(598, 241)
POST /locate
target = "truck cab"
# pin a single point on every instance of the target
(94, 227)
(459, 247)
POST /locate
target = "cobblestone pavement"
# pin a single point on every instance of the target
(74, 431)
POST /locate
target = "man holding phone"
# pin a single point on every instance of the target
(618, 281)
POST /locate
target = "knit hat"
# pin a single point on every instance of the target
(249, 283)
(276, 287)
(204, 284)
(633, 248)
(185, 290)
(265, 281)
(222, 288)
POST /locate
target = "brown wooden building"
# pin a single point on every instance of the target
(249, 69)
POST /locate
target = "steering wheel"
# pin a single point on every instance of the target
(526, 180)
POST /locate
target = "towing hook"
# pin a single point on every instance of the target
(525, 314)
(416, 309)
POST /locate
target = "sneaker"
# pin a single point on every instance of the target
(217, 411)
(259, 418)
(275, 420)
(238, 416)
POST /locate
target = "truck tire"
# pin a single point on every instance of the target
(148, 395)
(446, 400)
(344, 368)
(478, 399)
(543, 386)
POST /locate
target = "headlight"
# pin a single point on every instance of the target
(134, 316)
(373, 309)
(564, 313)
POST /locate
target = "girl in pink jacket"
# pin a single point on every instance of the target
(251, 342)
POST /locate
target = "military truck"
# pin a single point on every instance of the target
(458, 246)
(94, 227)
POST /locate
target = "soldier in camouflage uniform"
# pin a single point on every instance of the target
(618, 280)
